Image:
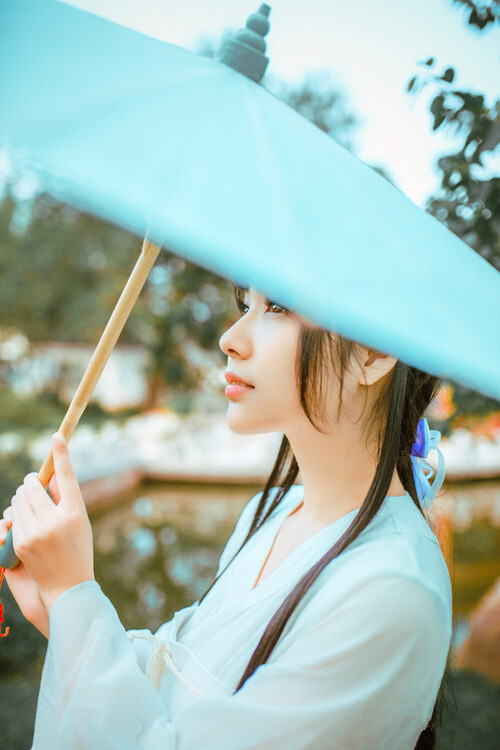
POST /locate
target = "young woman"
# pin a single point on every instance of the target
(329, 623)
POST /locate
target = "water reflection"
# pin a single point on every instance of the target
(193, 570)
(158, 550)
(473, 509)
(143, 541)
(143, 507)
(152, 597)
(168, 536)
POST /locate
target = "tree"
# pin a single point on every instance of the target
(62, 271)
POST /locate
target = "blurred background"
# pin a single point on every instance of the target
(163, 477)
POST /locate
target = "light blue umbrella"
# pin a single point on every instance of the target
(154, 137)
(198, 154)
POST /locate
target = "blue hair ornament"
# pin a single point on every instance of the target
(422, 471)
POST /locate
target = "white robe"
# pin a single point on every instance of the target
(358, 665)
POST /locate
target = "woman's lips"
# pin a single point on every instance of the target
(237, 386)
(237, 390)
(231, 378)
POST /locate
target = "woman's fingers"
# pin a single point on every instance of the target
(54, 489)
(25, 523)
(53, 541)
(4, 530)
(25, 592)
(36, 496)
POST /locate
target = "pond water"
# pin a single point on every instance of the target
(158, 549)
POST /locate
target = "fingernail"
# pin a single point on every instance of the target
(59, 439)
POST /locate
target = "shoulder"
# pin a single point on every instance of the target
(394, 571)
(399, 541)
(388, 613)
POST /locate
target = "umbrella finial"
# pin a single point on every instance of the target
(244, 50)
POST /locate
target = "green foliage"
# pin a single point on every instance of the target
(62, 271)
(469, 402)
(29, 415)
(188, 305)
(469, 200)
(481, 14)
(32, 413)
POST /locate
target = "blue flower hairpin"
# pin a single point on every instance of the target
(422, 471)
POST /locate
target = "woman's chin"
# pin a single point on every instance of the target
(242, 429)
(245, 423)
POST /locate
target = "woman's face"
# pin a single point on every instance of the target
(261, 348)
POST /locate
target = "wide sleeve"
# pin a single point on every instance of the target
(365, 674)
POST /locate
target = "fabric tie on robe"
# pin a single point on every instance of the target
(161, 656)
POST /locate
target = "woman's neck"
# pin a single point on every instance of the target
(336, 471)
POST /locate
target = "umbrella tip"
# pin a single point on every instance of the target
(244, 50)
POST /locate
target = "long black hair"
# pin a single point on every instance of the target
(392, 424)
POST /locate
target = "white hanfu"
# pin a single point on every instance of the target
(358, 665)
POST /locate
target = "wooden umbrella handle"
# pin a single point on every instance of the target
(123, 308)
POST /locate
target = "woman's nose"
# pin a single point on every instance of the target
(234, 340)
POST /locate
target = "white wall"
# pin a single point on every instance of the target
(123, 383)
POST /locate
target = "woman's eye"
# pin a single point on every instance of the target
(242, 307)
(281, 309)
(275, 304)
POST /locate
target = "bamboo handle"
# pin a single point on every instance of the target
(123, 308)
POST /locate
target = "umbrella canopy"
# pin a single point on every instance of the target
(156, 138)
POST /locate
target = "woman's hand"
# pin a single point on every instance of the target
(22, 586)
(52, 540)
(26, 593)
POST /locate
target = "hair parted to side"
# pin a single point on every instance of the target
(392, 425)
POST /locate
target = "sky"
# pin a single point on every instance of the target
(369, 49)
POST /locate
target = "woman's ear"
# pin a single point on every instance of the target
(373, 365)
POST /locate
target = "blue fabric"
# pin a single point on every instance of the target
(146, 134)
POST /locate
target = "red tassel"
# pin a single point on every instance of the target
(2, 635)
